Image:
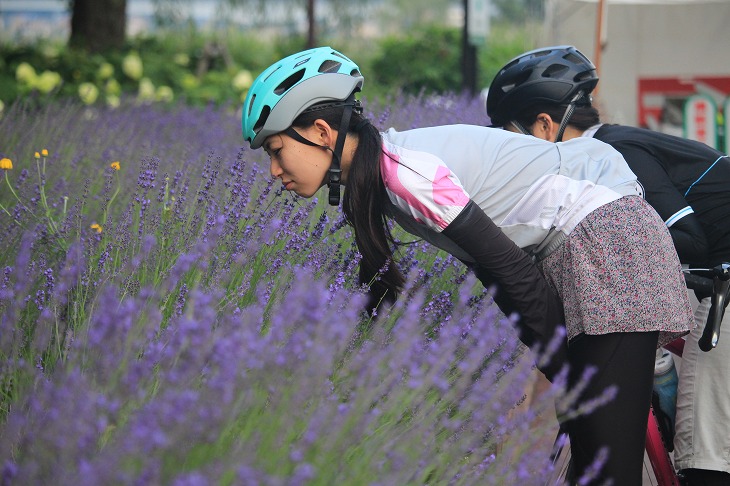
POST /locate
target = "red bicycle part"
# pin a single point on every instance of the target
(658, 455)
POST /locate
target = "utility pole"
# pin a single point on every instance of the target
(600, 37)
(311, 34)
(468, 56)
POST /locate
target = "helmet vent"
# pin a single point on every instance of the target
(289, 82)
(265, 111)
(250, 105)
(554, 71)
(570, 57)
(585, 75)
(518, 80)
(506, 88)
(329, 66)
(509, 65)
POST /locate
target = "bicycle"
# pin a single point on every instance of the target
(713, 282)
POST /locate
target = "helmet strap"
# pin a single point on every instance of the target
(335, 171)
(521, 128)
(566, 116)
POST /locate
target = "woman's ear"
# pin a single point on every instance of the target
(545, 127)
(324, 133)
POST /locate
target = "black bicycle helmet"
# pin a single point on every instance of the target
(549, 74)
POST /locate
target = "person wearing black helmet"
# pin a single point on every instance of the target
(546, 92)
(554, 230)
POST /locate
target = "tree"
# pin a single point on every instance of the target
(330, 16)
(98, 25)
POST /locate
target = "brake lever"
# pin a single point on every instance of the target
(721, 284)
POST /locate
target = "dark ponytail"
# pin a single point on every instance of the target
(364, 205)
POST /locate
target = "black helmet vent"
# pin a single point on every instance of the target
(509, 65)
(289, 82)
(554, 71)
(577, 60)
(586, 75)
(518, 80)
(262, 119)
(250, 105)
(272, 73)
(330, 66)
(506, 88)
(339, 54)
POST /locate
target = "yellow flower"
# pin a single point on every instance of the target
(88, 93)
(6, 164)
(146, 90)
(25, 73)
(164, 93)
(37, 155)
(47, 81)
(96, 227)
(113, 101)
(105, 70)
(113, 87)
(44, 152)
(181, 59)
(132, 66)
(115, 165)
(243, 80)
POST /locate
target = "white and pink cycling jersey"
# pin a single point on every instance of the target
(527, 186)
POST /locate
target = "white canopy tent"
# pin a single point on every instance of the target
(642, 41)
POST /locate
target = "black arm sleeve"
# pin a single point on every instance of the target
(520, 287)
(689, 240)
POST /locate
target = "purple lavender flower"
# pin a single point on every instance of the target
(214, 331)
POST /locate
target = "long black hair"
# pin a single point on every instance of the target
(364, 204)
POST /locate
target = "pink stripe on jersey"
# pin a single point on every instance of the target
(434, 198)
(445, 192)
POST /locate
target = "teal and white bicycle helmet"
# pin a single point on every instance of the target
(290, 86)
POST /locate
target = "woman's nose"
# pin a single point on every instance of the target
(275, 169)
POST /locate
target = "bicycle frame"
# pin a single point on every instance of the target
(656, 450)
(658, 455)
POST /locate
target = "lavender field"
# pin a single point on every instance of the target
(169, 316)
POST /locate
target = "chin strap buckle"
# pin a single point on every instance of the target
(335, 176)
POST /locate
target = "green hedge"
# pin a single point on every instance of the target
(199, 69)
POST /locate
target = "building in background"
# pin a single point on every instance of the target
(50, 18)
(656, 55)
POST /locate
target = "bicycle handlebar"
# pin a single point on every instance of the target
(716, 284)
(702, 285)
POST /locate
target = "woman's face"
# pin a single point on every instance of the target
(302, 168)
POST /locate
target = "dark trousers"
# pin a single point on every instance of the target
(625, 360)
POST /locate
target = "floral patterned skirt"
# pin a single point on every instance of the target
(618, 271)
